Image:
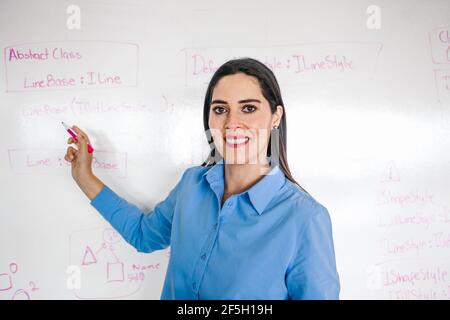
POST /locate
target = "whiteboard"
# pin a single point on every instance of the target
(367, 99)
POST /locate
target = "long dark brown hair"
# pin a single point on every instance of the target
(270, 90)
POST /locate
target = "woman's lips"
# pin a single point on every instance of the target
(236, 141)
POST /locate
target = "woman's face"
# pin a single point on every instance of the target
(240, 119)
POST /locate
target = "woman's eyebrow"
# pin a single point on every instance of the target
(219, 101)
(249, 100)
(240, 101)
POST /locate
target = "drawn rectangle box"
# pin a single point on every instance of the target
(442, 81)
(57, 65)
(51, 161)
(5, 282)
(440, 45)
(115, 272)
(201, 63)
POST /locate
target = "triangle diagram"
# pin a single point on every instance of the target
(89, 257)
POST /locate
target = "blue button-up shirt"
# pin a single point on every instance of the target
(272, 241)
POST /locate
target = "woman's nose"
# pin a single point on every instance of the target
(233, 121)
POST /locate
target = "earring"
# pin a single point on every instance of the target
(274, 146)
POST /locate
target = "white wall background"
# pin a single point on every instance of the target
(368, 136)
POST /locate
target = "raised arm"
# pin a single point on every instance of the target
(146, 232)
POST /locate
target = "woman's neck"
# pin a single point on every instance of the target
(240, 177)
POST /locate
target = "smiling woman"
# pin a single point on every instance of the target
(238, 225)
(243, 100)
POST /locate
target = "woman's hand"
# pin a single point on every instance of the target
(81, 161)
(79, 157)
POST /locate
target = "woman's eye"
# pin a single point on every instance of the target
(219, 110)
(252, 108)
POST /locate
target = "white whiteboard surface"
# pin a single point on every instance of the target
(368, 116)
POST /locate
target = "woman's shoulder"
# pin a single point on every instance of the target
(303, 203)
(193, 174)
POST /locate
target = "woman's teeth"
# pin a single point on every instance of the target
(236, 141)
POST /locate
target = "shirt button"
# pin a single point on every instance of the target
(194, 285)
(203, 256)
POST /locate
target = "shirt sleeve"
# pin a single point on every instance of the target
(146, 232)
(312, 275)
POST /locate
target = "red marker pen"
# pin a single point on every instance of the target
(74, 136)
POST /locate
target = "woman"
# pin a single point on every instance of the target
(239, 225)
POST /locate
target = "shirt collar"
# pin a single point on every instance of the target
(260, 194)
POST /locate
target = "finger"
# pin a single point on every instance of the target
(72, 150)
(69, 157)
(70, 141)
(71, 153)
(81, 133)
(82, 142)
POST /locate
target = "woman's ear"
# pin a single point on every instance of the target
(277, 116)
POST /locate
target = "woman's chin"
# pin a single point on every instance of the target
(234, 160)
